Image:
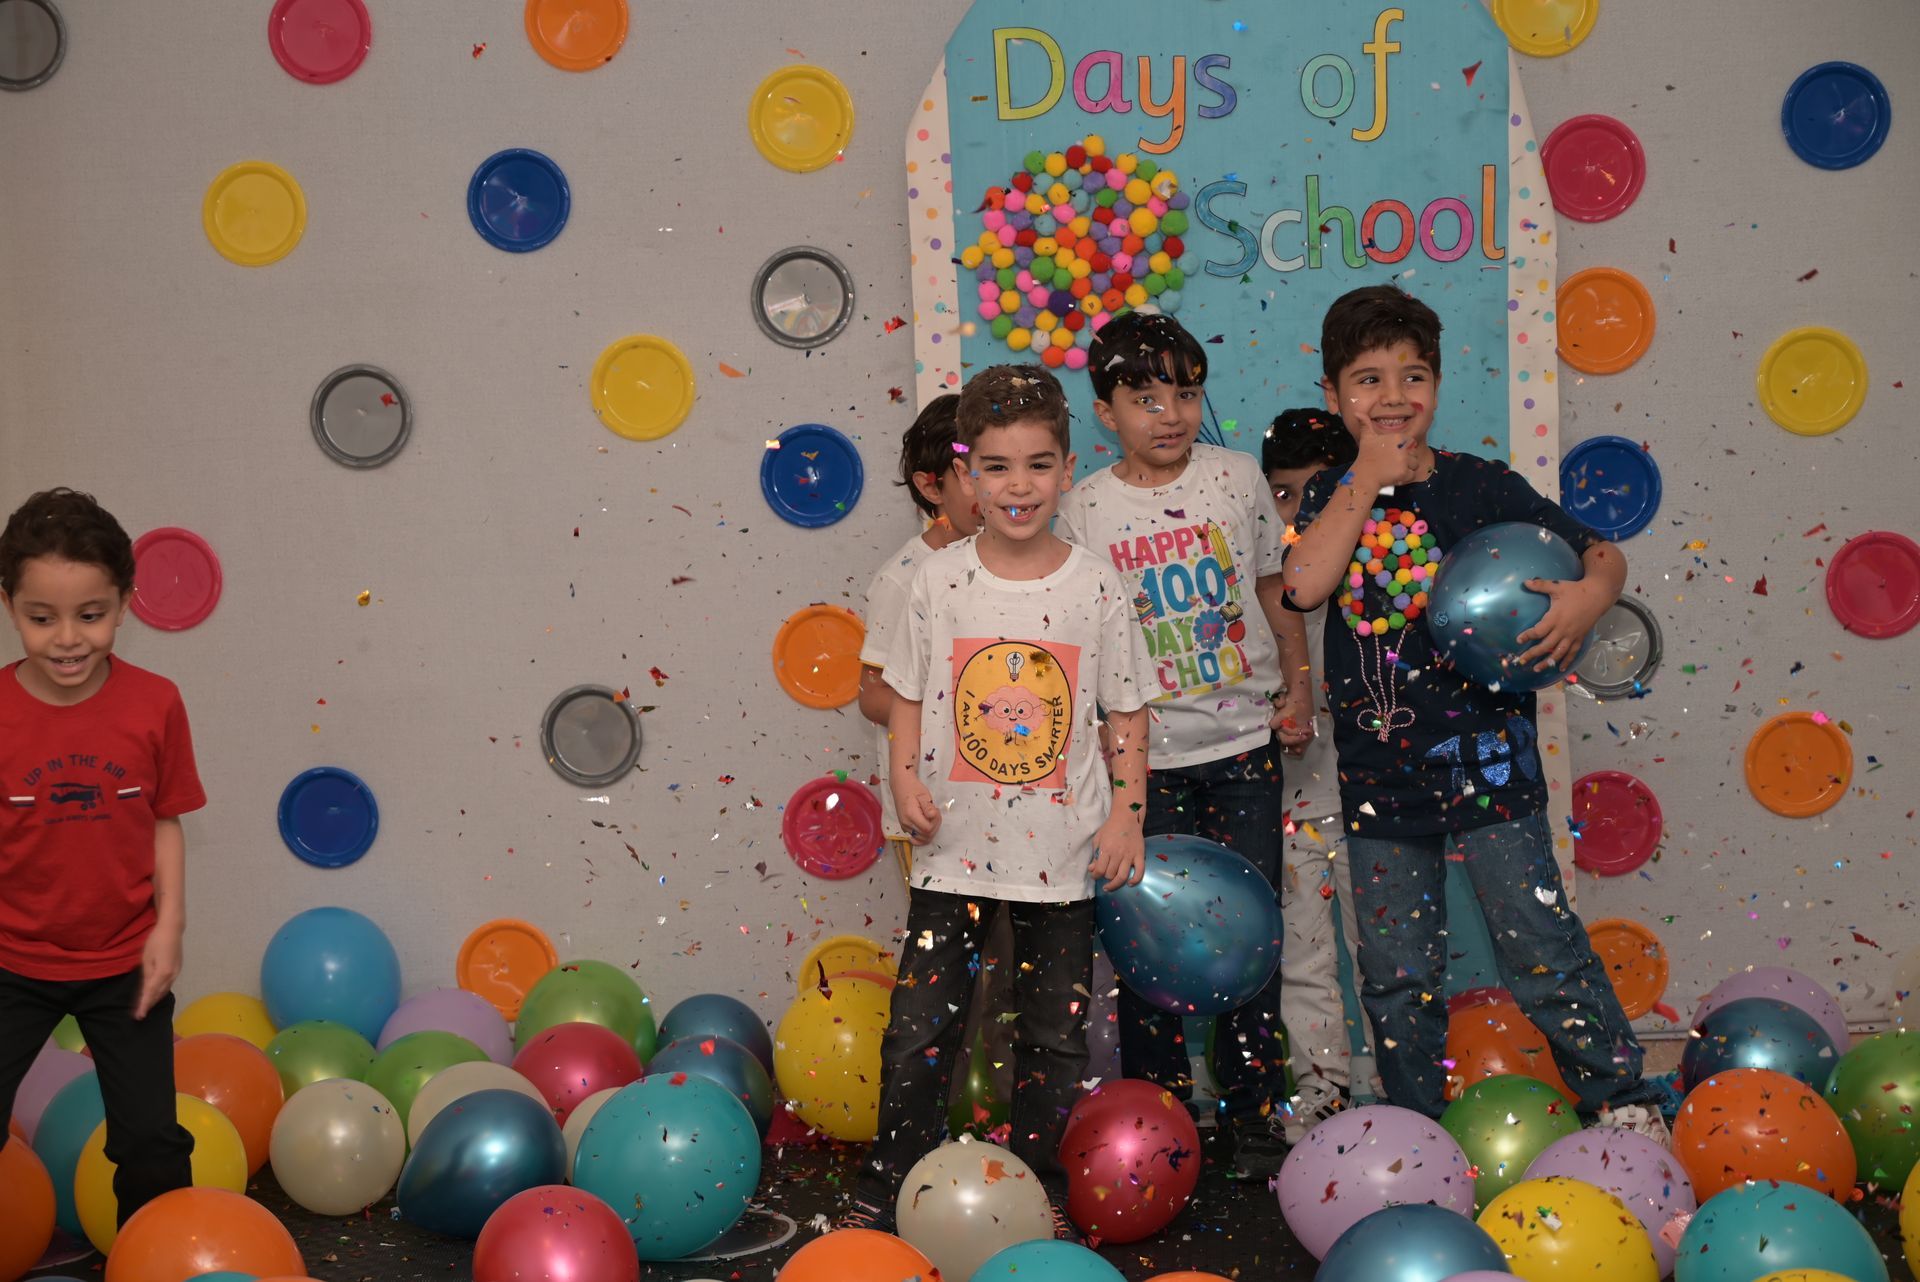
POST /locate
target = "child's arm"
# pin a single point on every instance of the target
(876, 696)
(1120, 853)
(918, 815)
(1316, 564)
(160, 959)
(1576, 605)
(1293, 714)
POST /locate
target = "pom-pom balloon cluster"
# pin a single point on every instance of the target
(1073, 239)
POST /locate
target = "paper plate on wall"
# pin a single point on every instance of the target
(1620, 823)
(502, 960)
(360, 416)
(1611, 485)
(1812, 380)
(176, 579)
(518, 200)
(816, 656)
(591, 736)
(1606, 320)
(328, 817)
(801, 118)
(1595, 168)
(319, 41)
(33, 43)
(1873, 584)
(843, 955)
(254, 213)
(1546, 28)
(577, 35)
(642, 387)
(802, 297)
(832, 827)
(1836, 115)
(812, 476)
(1636, 962)
(1798, 765)
(1625, 652)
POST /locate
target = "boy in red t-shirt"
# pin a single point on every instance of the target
(98, 767)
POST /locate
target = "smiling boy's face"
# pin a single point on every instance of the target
(1017, 478)
(1389, 390)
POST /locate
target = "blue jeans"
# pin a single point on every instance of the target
(1539, 944)
(1238, 802)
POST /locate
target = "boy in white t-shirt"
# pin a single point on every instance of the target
(1300, 444)
(1192, 530)
(1010, 645)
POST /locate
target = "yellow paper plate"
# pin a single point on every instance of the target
(843, 955)
(642, 387)
(1812, 380)
(1546, 28)
(254, 213)
(801, 118)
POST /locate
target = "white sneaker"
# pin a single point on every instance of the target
(1313, 1103)
(1640, 1119)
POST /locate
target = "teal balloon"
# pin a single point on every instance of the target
(727, 1063)
(331, 963)
(717, 1015)
(473, 1156)
(1478, 607)
(1053, 1261)
(1758, 1032)
(1753, 1230)
(1417, 1243)
(677, 1158)
(66, 1125)
(222, 1276)
(1199, 935)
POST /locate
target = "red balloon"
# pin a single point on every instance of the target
(569, 1062)
(555, 1234)
(1132, 1156)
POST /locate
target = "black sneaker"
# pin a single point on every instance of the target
(860, 1213)
(1063, 1228)
(1257, 1152)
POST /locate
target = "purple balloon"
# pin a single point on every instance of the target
(1363, 1160)
(1781, 984)
(1634, 1169)
(53, 1068)
(452, 1010)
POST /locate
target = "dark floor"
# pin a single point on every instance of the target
(1233, 1229)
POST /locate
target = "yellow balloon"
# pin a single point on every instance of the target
(1558, 1227)
(1910, 1219)
(219, 1161)
(234, 1013)
(826, 1056)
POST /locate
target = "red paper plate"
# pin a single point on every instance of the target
(832, 828)
(176, 579)
(1873, 584)
(1620, 823)
(1595, 168)
(320, 41)
(1636, 962)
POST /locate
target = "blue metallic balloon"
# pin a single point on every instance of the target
(478, 1152)
(1417, 1243)
(331, 963)
(1761, 1228)
(727, 1062)
(717, 1015)
(1199, 935)
(676, 1157)
(1477, 607)
(1759, 1032)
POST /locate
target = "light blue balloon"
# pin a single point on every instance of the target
(1053, 1261)
(222, 1276)
(331, 963)
(473, 1156)
(1477, 607)
(1755, 1229)
(677, 1157)
(1418, 1243)
(1200, 935)
(717, 1015)
(65, 1127)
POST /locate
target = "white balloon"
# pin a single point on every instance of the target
(337, 1146)
(968, 1200)
(577, 1124)
(459, 1080)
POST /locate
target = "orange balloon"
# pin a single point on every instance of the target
(1494, 1038)
(855, 1255)
(15, 1130)
(1756, 1124)
(236, 1077)
(27, 1225)
(188, 1232)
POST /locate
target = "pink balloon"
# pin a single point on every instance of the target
(1363, 1160)
(569, 1062)
(52, 1069)
(452, 1010)
(1132, 1157)
(1783, 985)
(555, 1234)
(1634, 1169)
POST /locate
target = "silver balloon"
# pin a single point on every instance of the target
(337, 1146)
(966, 1201)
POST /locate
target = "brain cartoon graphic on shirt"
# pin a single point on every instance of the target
(1189, 606)
(1012, 711)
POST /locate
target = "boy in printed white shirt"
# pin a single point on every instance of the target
(1010, 645)
(1192, 529)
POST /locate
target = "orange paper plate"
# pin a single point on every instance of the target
(816, 656)
(577, 35)
(1636, 962)
(1799, 764)
(502, 960)
(1606, 320)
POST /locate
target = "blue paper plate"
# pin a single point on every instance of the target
(814, 477)
(518, 200)
(1610, 485)
(328, 817)
(1836, 115)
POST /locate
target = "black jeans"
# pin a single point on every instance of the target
(1052, 970)
(134, 1058)
(1240, 803)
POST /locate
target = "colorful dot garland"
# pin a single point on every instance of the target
(1399, 556)
(1073, 239)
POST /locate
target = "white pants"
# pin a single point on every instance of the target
(1313, 888)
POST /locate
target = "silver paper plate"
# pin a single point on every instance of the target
(1626, 651)
(802, 297)
(33, 43)
(361, 416)
(591, 736)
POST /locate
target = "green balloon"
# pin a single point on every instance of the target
(978, 1108)
(1503, 1123)
(66, 1034)
(1875, 1088)
(409, 1062)
(589, 992)
(317, 1049)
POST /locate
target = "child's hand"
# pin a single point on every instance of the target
(1293, 721)
(159, 967)
(1120, 852)
(918, 813)
(1385, 460)
(1575, 608)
